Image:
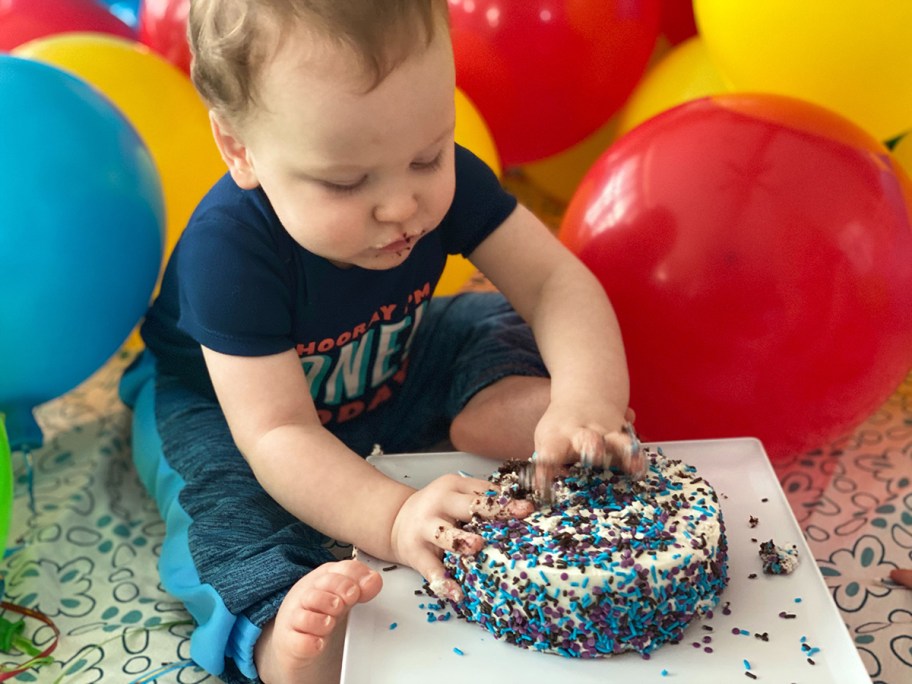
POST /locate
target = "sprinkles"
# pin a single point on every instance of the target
(611, 565)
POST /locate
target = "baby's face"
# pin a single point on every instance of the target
(355, 177)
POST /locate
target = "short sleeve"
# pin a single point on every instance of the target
(234, 295)
(480, 205)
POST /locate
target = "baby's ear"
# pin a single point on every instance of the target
(234, 152)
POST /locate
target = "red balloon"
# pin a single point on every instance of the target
(163, 27)
(758, 251)
(545, 74)
(677, 21)
(25, 20)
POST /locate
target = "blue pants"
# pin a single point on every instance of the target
(231, 553)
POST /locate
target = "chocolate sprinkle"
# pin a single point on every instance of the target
(612, 565)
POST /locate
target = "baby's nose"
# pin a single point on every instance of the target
(396, 208)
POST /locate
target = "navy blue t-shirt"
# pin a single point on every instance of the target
(239, 284)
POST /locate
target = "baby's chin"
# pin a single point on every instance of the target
(374, 262)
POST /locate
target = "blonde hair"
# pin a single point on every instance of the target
(231, 40)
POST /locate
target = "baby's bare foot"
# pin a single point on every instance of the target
(304, 641)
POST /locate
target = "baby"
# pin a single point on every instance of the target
(296, 328)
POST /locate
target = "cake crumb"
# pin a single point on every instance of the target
(778, 560)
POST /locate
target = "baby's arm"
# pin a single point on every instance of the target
(319, 480)
(577, 334)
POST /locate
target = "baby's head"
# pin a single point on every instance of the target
(233, 41)
(341, 111)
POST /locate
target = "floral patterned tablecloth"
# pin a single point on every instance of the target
(86, 555)
(853, 500)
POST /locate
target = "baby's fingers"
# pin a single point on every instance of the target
(431, 568)
(627, 450)
(500, 507)
(590, 445)
(450, 538)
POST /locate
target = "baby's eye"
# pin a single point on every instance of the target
(343, 188)
(431, 165)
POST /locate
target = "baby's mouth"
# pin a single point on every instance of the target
(405, 243)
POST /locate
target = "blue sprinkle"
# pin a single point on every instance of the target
(744, 632)
(664, 673)
(747, 665)
(812, 652)
(798, 600)
(393, 625)
(458, 651)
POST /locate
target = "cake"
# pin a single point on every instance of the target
(613, 564)
(778, 560)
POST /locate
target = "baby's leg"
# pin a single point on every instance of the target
(231, 554)
(500, 420)
(304, 641)
(474, 368)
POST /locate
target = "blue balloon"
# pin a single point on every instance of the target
(81, 236)
(125, 10)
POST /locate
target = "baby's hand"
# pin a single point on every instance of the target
(426, 526)
(563, 437)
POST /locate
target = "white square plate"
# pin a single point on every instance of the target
(739, 470)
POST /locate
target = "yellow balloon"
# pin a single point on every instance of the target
(685, 73)
(161, 103)
(850, 56)
(472, 133)
(559, 176)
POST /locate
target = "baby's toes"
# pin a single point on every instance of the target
(368, 581)
(314, 623)
(351, 582)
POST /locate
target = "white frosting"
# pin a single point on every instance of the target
(612, 565)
